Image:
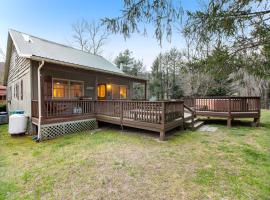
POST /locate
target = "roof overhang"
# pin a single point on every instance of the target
(37, 58)
(7, 61)
(10, 43)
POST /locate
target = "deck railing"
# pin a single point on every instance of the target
(224, 104)
(68, 108)
(156, 112)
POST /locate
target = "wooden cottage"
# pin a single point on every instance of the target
(64, 90)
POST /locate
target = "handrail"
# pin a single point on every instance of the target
(122, 100)
(188, 108)
(221, 97)
(225, 103)
(193, 114)
(146, 111)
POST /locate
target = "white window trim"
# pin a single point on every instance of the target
(68, 80)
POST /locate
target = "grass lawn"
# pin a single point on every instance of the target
(110, 164)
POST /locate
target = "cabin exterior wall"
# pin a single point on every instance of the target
(90, 79)
(19, 84)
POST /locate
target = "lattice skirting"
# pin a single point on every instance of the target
(50, 131)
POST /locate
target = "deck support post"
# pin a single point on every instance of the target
(229, 122)
(256, 122)
(162, 135)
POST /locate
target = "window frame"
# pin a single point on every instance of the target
(21, 89)
(75, 81)
(17, 89)
(115, 96)
(68, 81)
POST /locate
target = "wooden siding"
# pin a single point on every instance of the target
(19, 70)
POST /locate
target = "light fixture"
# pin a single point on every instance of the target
(109, 87)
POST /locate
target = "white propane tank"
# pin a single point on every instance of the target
(17, 124)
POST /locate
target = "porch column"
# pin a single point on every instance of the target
(95, 89)
(145, 90)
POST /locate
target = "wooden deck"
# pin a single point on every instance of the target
(158, 116)
(226, 107)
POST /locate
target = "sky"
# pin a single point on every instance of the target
(52, 19)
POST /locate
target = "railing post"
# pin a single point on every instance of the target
(257, 120)
(183, 115)
(192, 120)
(163, 120)
(229, 120)
(259, 105)
(95, 104)
(121, 114)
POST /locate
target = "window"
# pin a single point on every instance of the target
(67, 89)
(60, 88)
(101, 91)
(76, 89)
(21, 89)
(17, 91)
(123, 92)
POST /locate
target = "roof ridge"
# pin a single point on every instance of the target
(57, 43)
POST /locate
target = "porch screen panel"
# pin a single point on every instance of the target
(60, 89)
(123, 92)
(47, 88)
(115, 92)
(76, 89)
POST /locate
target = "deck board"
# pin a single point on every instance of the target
(226, 114)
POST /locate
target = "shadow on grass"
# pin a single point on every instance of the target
(265, 125)
(128, 130)
(135, 131)
(223, 122)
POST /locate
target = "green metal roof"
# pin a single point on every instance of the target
(28, 45)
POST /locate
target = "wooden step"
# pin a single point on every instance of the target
(189, 121)
(198, 124)
(187, 115)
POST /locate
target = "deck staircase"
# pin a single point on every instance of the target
(190, 119)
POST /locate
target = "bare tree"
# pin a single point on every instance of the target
(79, 32)
(90, 36)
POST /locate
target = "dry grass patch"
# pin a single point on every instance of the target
(110, 164)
